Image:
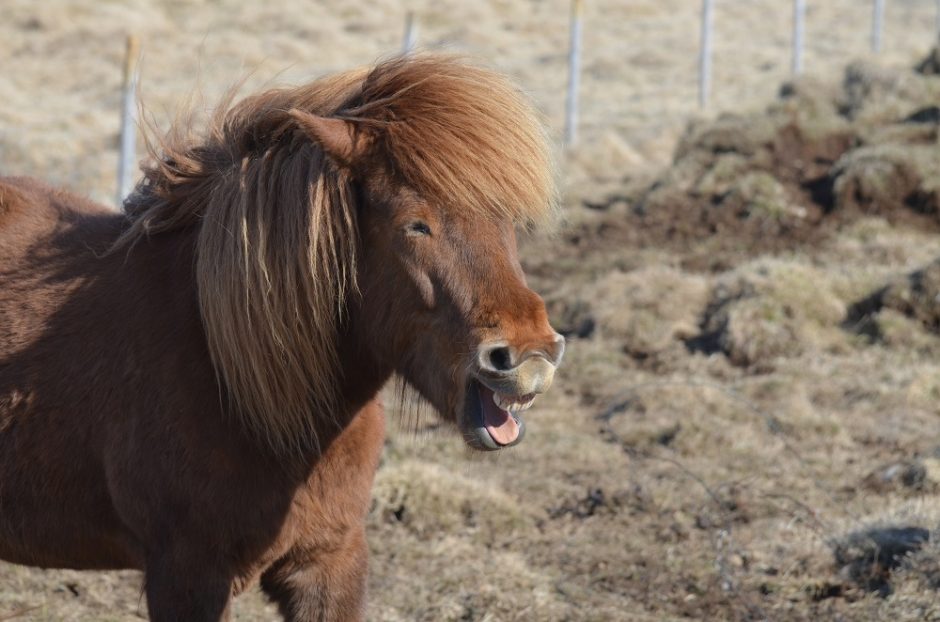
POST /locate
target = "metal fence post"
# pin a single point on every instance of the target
(705, 55)
(799, 15)
(574, 74)
(877, 25)
(128, 154)
(411, 33)
(937, 33)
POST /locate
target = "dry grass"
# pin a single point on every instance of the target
(716, 435)
(59, 113)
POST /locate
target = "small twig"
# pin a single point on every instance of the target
(724, 538)
(723, 542)
(645, 455)
(819, 526)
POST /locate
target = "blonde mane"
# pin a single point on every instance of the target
(277, 233)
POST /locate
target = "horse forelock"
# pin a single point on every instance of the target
(462, 136)
(276, 244)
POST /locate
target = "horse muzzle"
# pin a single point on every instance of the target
(505, 384)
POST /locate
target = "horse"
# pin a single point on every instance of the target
(190, 387)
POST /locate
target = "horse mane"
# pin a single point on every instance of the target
(276, 219)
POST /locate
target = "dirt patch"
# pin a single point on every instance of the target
(869, 556)
(789, 176)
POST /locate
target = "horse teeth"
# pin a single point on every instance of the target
(510, 404)
(504, 402)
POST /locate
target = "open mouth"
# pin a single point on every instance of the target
(493, 417)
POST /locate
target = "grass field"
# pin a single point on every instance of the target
(746, 423)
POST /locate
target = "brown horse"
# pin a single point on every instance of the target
(191, 388)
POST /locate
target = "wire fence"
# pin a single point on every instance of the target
(712, 12)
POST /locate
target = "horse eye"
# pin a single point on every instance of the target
(419, 228)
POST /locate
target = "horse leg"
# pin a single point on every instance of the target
(176, 593)
(321, 585)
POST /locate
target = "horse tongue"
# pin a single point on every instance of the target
(499, 423)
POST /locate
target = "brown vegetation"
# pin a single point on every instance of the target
(791, 174)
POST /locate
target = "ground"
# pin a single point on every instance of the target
(746, 423)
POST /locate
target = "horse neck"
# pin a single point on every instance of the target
(361, 377)
(362, 372)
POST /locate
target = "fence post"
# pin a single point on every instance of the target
(128, 153)
(411, 33)
(877, 25)
(705, 55)
(799, 15)
(574, 74)
(937, 33)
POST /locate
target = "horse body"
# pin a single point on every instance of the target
(125, 338)
(191, 389)
(97, 344)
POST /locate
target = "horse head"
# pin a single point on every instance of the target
(442, 292)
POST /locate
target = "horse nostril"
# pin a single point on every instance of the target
(501, 359)
(496, 357)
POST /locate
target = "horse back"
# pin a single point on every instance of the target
(30, 209)
(92, 343)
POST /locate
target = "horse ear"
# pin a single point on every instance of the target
(342, 140)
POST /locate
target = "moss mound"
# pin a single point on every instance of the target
(819, 156)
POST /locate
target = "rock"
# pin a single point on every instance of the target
(867, 557)
(929, 114)
(930, 66)
(911, 474)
